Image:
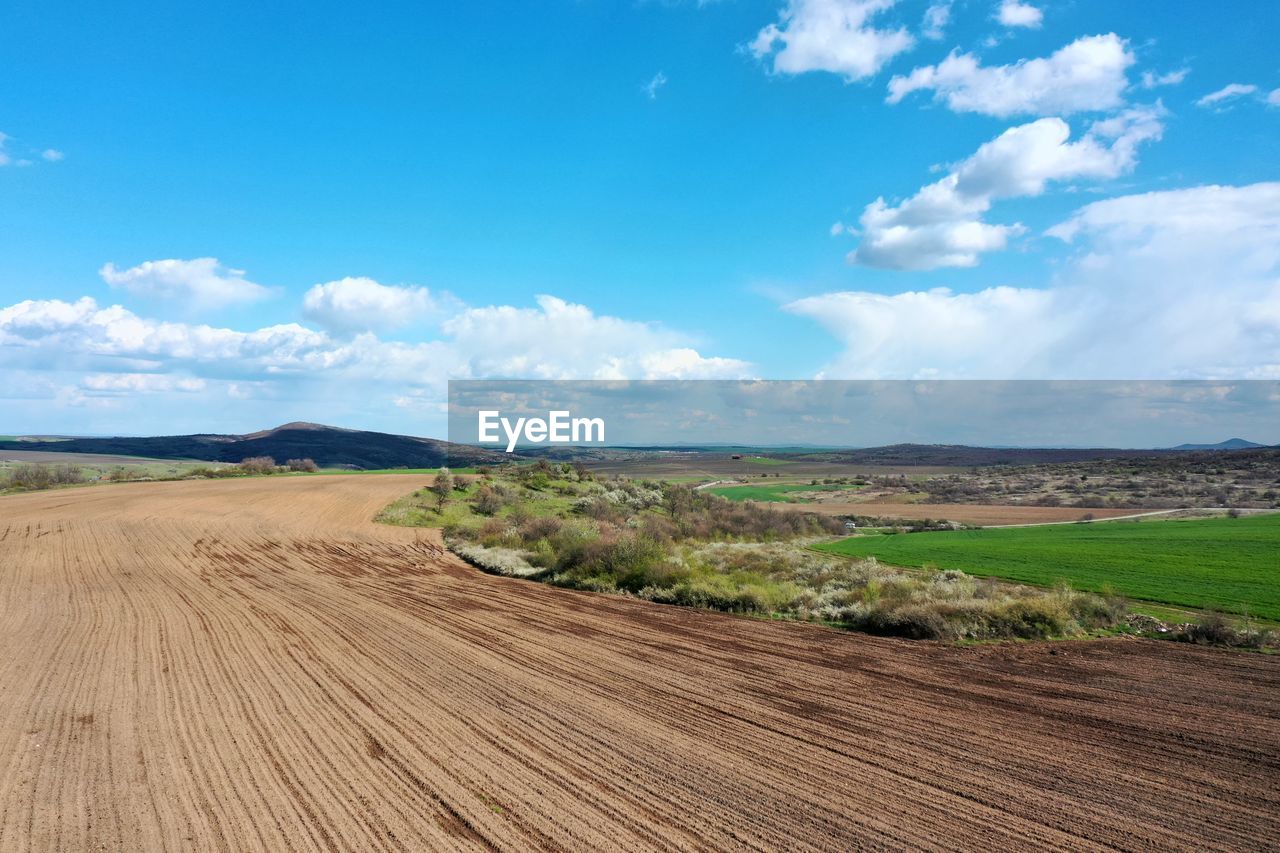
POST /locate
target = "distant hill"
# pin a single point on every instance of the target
(1229, 444)
(330, 447)
(964, 455)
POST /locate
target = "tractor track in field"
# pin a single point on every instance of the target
(254, 665)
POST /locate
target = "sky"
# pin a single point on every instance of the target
(864, 413)
(219, 219)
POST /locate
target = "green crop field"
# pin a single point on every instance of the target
(779, 492)
(767, 460)
(1231, 564)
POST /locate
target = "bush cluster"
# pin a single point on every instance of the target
(40, 476)
(1216, 629)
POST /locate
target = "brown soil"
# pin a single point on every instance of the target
(253, 665)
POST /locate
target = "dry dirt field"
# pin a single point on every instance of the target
(253, 665)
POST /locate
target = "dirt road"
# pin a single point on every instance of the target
(253, 665)
(989, 515)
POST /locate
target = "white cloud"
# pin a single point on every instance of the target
(79, 353)
(1015, 13)
(930, 333)
(1273, 99)
(200, 283)
(651, 88)
(362, 304)
(1087, 75)
(936, 19)
(1229, 92)
(1151, 80)
(139, 383)
(831, 35)
(51, 155)
(1175, 284)
(561, 340)
(556, 339)
(942, 226)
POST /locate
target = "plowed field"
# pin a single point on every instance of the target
(253, 665)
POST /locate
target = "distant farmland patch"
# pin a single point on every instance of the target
(767, 460)
(778, 493)
(1226, 563)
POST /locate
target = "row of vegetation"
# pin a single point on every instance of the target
(673, 544)
(256, 466)
(27, 477)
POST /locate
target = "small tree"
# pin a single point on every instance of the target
(442, 486)
(309, 465)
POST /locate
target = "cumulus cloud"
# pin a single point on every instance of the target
(942, 226)
(1089, 74)
(1273, 99)
(831, 35)
(362, 304)
(53, 155)
(936, 19)
(561, 340)
(1175, 284)
(929, 333)
(105, 353)
(1015, 13)
(199, 283)
(1227, 93)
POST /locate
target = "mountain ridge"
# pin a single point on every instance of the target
(329, 446)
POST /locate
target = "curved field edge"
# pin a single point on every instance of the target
(1232, 564)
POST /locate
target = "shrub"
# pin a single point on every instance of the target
(1031, 618)
(308, 465)
(41, 476)
(915, 622)
(1213, 630)
(258, 465)
(486, 501)
(498, 561)
(541, 527)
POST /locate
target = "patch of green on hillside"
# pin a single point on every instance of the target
(778, 493)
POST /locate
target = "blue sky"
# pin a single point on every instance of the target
(649, 189)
